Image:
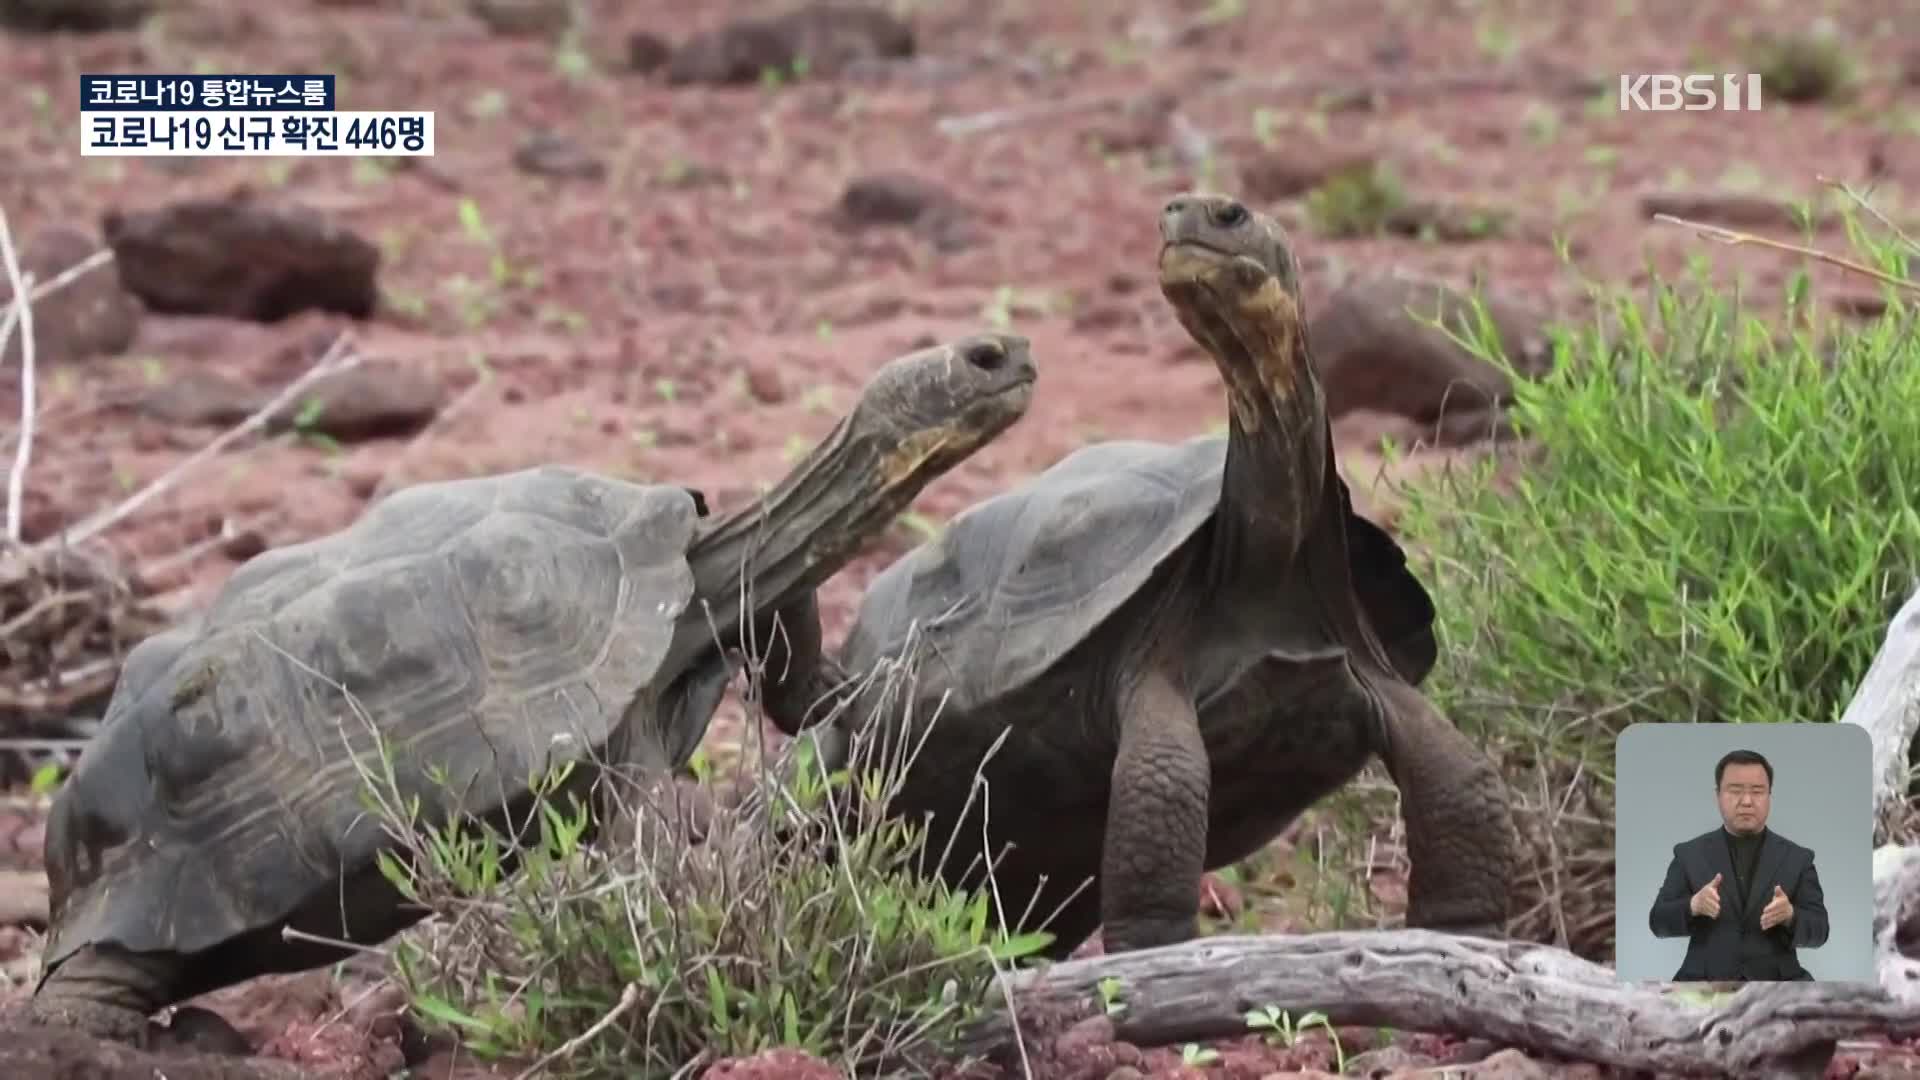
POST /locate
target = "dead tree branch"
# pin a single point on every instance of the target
(1896, 922)
(1534, 996)
(1887, 704)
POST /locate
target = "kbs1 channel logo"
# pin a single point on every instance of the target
(238, 116)
(1689, 93)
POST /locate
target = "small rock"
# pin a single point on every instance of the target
(1738, 210)
(550, 153)
(23, 898)
(891, 198)
(778, 1064)
(23, 836)
(201, 398)
(73, 16)
(894, 199)
(243, 544)
(1091, 1032)
(364, 479)
(647, 52)
(1096, 318)
(373, 401)
(1374, 350)
(1448, 223)
(828, 36)
(765, 384)
(1126, 1072)
(35, 1050)
(1859, 305)
(523, 18)
(368, 402)
(1384, 1062)
(1508, 1064)
(1144, 123)
(242, 259)
(1271, 175)
(87, 317)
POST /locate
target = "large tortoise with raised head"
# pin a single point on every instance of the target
(485, 628)
(1183, 647)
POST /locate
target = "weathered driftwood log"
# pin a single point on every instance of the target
(1887, 704)
(1896, 922)
(1533, 996)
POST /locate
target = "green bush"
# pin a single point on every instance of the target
(1717, 521)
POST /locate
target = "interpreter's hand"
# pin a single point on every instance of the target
(1778, 912)
(1707, 900)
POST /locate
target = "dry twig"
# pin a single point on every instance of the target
(22, 313)
(1735, 238)
(339, 357)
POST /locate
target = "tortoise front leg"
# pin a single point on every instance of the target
(1460, 836)
(1156, 841)
(112, 994)
(797, 673)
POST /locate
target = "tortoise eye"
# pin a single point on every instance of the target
(1228, 215)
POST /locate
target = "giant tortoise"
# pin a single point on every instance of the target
(487, 628)
(1183, 647)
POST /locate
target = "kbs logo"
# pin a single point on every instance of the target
(1689, 93)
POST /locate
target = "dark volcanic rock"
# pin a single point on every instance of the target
(826, 38)
(242, 259)
(73, 15)
(89, 316)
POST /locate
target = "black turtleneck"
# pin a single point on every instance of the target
(1745, 851)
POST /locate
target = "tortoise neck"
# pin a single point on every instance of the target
(1278, 442)
(762, 555)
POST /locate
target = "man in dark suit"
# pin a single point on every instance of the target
(1746, 897)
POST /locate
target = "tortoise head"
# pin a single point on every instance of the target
(919, 416)
(929, 410)
(1230, 276)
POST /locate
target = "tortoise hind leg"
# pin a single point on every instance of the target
(112, 994)
(1460, 836)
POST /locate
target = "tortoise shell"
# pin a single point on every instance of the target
(1015, 582)
(485, 628)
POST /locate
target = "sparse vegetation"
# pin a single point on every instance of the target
(1356, 201)
(678, 944)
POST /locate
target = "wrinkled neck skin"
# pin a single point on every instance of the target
(790, 541)
(1274, 487)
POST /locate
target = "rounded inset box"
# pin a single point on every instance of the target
(1743, 853)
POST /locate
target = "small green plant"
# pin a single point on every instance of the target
(1112, 996)
(1356, 200)
(1198, 1056)
(46, 778)
(1279, 1028)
